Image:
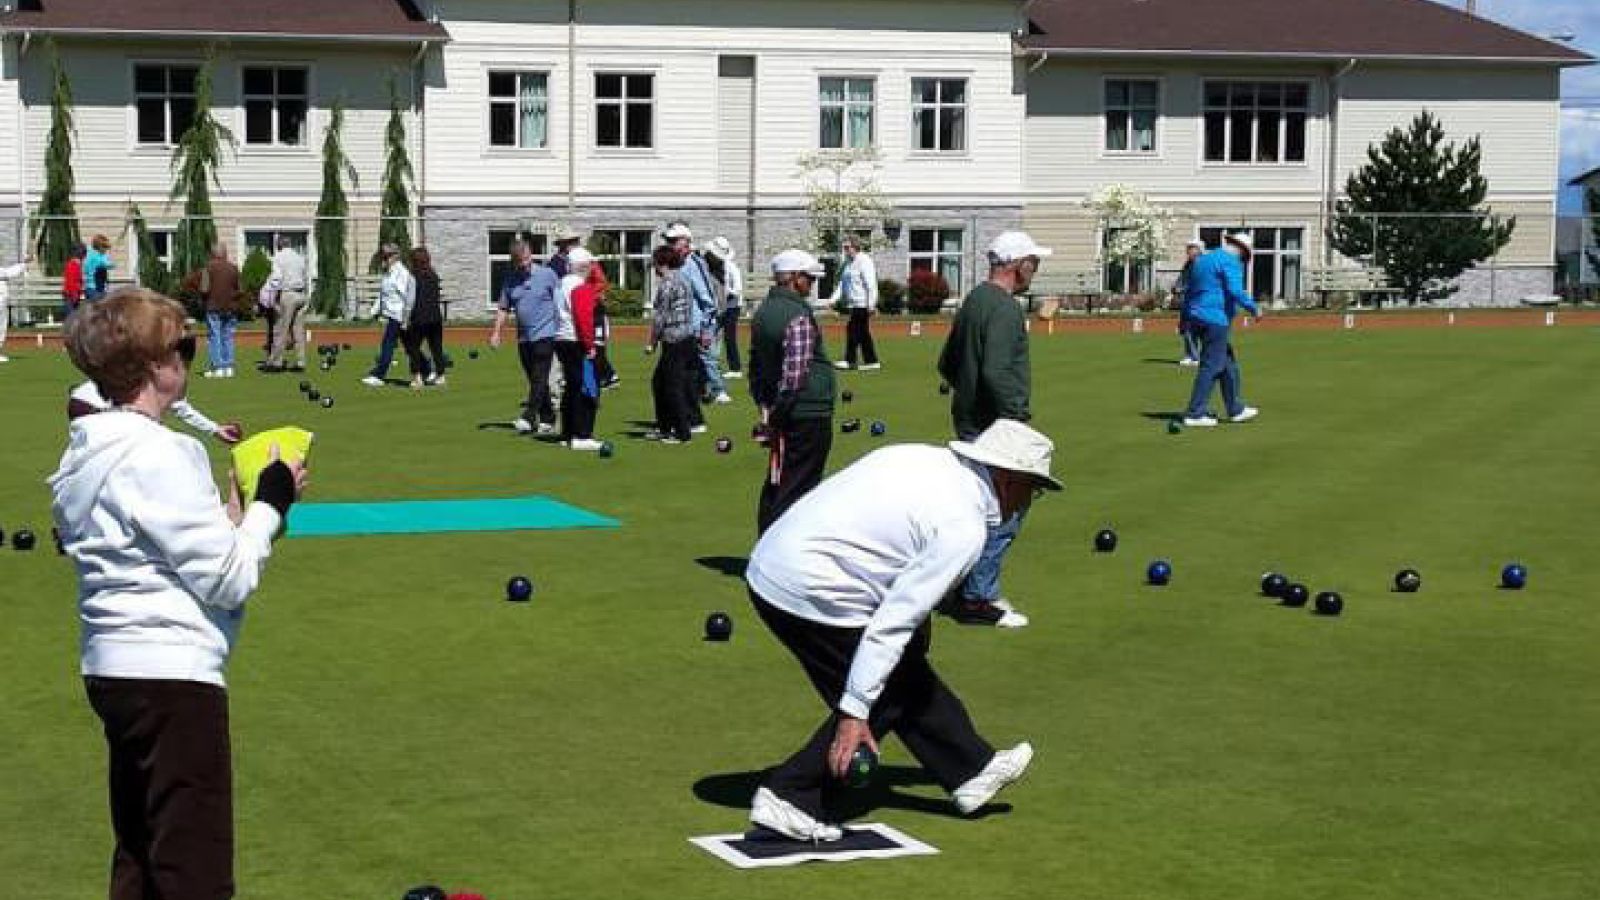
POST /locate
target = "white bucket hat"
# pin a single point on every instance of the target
(797, 261)
(1015, 245)
(677, 230)
(1013, 446)
(567, 233)
(1243, 240)
(720, 248)
(579, 257)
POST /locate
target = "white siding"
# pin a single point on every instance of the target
(735, 101)
(109, 166)
(1516, 113)
(10, 119)
(1064, 135)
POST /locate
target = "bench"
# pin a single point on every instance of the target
(361, 300)
(35, 300)
(1361, 282)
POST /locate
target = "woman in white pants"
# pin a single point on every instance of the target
(6, 274)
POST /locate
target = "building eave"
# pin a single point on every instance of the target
(274, 37)
(1296, 56)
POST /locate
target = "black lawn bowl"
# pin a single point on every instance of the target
(305, 387)
(863, 765)
(944, 389)
(1274, 585)
(1296, 596)
(426, 892)
(326, 366)
(344, 346)
(1105, 541)
(1513, 577)
(608, 450)
(848, 396)
(1328, 603)
(1174, 426)
(313, 395)
(724, 445)
(23, 540)
(879, 429)
(327, 403)
(2, 537)
(472, 354)
(850, 426)
(1159, 573)
(519, 590)
(1408, 581)
(719, 627)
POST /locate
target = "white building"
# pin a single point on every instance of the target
(618, 115)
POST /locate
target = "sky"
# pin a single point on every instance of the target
(1580, 87)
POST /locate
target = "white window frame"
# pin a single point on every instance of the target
(1255, 123)
(622, 256)
(1276, 253)
(1156, 151)
(170, 232)
(845, 105)
(938, 108)
(595, 102)
(275, 146)
(490, 258)
(134, 96)
(958, 287)
(520, 69)
(242, 250)
(1131, 268)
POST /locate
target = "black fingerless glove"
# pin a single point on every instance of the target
(275, 487)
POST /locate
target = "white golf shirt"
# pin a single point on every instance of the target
(877, 547)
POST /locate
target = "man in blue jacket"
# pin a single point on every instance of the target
(1212, 296)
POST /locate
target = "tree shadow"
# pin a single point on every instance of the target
(733, 790)
(731, 566)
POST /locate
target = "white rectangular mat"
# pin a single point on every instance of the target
(766, 851)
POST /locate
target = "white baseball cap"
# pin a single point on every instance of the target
(1013, 446)
(720, 248)
(1015, 245)
(579, 257)
(797, 261)
(677, 230)
(1196, 242)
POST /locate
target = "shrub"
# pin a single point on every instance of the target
(891, 297)
(622, 303)
(927, 292)
(254, 273)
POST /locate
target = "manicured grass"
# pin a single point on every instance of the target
(396, 722)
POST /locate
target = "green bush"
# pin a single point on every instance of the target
(622, 303)
(891, 297)
(254, 273)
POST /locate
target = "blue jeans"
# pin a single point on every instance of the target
(1217, 363)
(983, 582)
(220, 327)
(391, 338)
(713, 370)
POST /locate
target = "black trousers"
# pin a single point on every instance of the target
(577, 408)
(270, 318)
(432, 334)
(730, 338)
(858, 335)
(915, 705)
(796, 463)
(536, 358)
(674, 387)
(171, 777)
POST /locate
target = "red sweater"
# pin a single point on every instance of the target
(584, 299)
(72, 281)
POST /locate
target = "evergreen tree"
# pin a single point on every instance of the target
(153, 273)
(398, 175)
(195, 161)
(1592, 197)
(1440, 188)
(55, 223)
(332, 211)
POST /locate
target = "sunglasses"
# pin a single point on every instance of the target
(185, 347)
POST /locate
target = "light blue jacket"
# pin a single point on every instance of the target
(706, 307)
(1215, 289)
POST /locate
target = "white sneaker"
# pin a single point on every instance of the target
(1199, 422)
(372, 381)
(669, 440)
(1188, 362)
(871, 367)
(1245, 415)
(228, 372)
(546, 428)
(433, 379)
(732, 374)
(1011, 619)
(4, 358)
(584, 444)
(1001, 771)
(774, 813)
(523, 426)
(722, 398)
(698, 429)
(841, 364)
(211, 373)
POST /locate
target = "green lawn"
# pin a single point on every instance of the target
(396, 722)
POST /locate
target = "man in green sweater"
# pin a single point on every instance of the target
(791, 381)
(985, 362)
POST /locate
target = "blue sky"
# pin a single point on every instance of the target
(1580, 124)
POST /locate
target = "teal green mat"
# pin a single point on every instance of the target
(435, 516)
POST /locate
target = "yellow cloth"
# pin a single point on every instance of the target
(252, 456)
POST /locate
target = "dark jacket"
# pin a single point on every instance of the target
(223, 291)
(985, 361)
(427, 310)
(814, 400)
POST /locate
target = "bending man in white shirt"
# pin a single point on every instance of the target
(847, 580)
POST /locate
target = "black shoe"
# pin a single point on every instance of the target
(982, 612)
(267, 369)
(297, 368)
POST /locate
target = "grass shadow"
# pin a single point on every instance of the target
(731, 566)
(733, 790)
(1163, 416)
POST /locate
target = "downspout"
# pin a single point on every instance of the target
(1330, 186)
(572, 102)
(419, 106)
(22, 139)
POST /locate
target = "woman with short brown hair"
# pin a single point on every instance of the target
(164, 569)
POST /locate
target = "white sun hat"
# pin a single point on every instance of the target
(720, 248)
(579, 257)
(1243, 240)
(567, 233)
(1015, 245)
(678, 230)
(797, 261)
(1013, 446)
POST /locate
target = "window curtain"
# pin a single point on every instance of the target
(533, 104)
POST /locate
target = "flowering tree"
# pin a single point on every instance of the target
(1136, 229)
(842, 196)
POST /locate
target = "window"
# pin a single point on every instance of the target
(1128, 276)
(1276, 265)
(266, 240)
(847, 113)
(939, 114)
(624, 255)
(519, 110)
(275, 104)
(1132, 107)
(161, 241)
(500, 256)
(625, 111)
(163, 101)
(939, 250)
(1256, 122)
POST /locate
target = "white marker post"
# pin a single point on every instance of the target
(1550, 318)
(1138, 326)
(916, 329)
(1349, 321)
(1451, 319)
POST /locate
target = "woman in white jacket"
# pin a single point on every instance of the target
(164, 569)
(396, 294)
